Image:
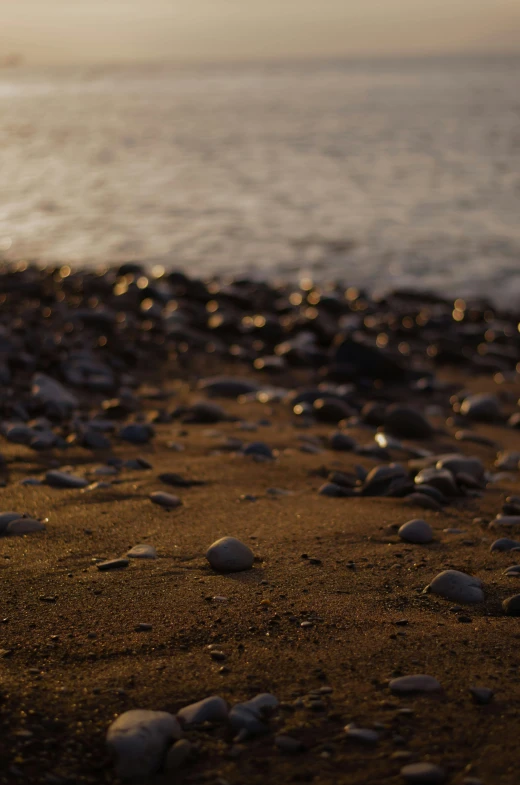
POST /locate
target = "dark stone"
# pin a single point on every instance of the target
(407, 423)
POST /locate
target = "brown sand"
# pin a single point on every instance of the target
(72, 659)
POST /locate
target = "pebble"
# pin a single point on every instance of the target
(505, 520)
(112, 564)
(364, 735)
(481, 407)
(251, 716)
(404, 685)
(511, 605)
(6, 518)
(229, 555)
(416, 531)
(143, 551)
(482, 695)
(504, 544)
(62, 479)
(165, 500)
(52, 395)
(23, 526)
(227, 387)
(407, 423)
(423, 774)
(288, 745)
(442, 479)
(177, 755)
(136, 433)
(342, 442)
(176, 480)
(457, 586)
(514, 570)
(139, 739)
(258, 450)
(423, 500)
(213, 709)
(335, 491)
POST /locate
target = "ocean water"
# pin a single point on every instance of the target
(377, 173)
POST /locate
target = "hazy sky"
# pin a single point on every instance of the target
(108, 30)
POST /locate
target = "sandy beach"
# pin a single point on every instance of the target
(333, 608)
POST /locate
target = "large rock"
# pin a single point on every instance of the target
(230, 555)
(457, 586)
(139, 739)
(213, 709)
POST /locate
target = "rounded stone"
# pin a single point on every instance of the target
(407, 423)
(511, 606)
(481, 407)
(417, 531)
(6, 518)
(504, 544)
(24, 526)
(341, 442)
(423, 774)
(57, 479)
(213, 709)
(142, 551)
(230, 555)
(420, 682)
(167, 500)
(457, 586)
(178, 754)
(138, 739)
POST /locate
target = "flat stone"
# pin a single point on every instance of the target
(59, 479)
(112, 564)
(24, 526)
(504, 544)
(505, 520)
(461, 464)
(423, 774)
(142, 551)
(457, 586)
(511, 606)
(139, 739)
(417, 531)
(364, 735)
(405, 685)
(213, 709)
(165, 499)
(230, 555)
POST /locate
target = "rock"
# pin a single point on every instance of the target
(442, 479)
(482, 695)
(112, 564)
(334, 490)
(331, 410)
(341, 442)
(177, 755)
(136, 433)
(18, 433)
(230, 555)
(460, 464)
(258, 450)
(6, 518)
(138, 739)
(513, 571)
(514, 420)
(227, 387)
(405, 685)
(56, 399)
(457, 586)
(204, 413)
(61, 479)
(212, 709)
(23, 526)
(423, 774)
(416, 531)
(143, 551)
(511, 606)
(288, 745)
(505, 520)
(407, 423)
(364, 735)
(252, 715)
(354, 359)
(504, 544)
(177, 481)
(380, 478)
(481, 407)
(508, 461)
(423, 500)
(167, 500)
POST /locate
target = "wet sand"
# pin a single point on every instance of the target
(72, 659)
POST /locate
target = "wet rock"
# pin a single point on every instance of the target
(139, 739)
(406, 685)
(504, 544)
(142, 551)
(212, 709)
(481, 407)
(230, 555)
(112, 564)
(62, 479)
(252, 716)
(457, 586)
(416, 531)
(511, 605)
(167, 500)
(423, 774)
(137, 433)
(407, 423)
(341, 442)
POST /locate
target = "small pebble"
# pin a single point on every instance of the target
(165, 500)
(423, 774)
(230, 555)
(405, 685)
(416, 531)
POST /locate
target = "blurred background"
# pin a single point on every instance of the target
(375, 142)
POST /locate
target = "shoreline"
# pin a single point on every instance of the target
(334, 605)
